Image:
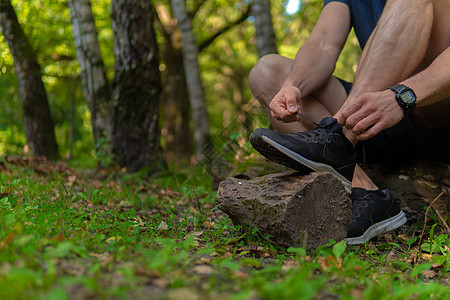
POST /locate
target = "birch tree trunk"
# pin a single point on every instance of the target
(265, 36)
(96, 88)
(38, 122)
(192, 70)
(136, 86)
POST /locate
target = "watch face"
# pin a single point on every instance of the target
(407, 97)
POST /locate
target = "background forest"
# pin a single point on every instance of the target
(140, 105)
(226, 49)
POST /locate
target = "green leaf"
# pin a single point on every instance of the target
(426, 247)
(61, 250)
(231, 265)
(420, 268)
(400, 265)
(437, 260)
(395, 244)
(339, 249)
(411, 241)
(299, 251)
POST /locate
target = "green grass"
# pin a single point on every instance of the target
(68, 234)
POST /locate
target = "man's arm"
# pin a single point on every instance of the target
(432, 84)
(315, 61)
(380, 109)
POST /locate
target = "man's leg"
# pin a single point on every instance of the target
(406, 40)
(266, 79)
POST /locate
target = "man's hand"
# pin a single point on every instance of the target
(370, 113)
(286, 103)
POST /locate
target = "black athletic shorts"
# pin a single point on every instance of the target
(404, 142)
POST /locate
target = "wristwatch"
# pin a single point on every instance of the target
(405, 97)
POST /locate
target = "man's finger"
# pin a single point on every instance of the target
(370, 132)
(362, 123)
(292, 106)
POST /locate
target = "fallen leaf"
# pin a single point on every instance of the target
(7, 240)
(208, 224)
(388, 237)
(206, 260)
(104, 258)
(430, 274)
(5, 267)
(183, 293)
(242, 275)
(113, 239)
(59, 238)
(71, 268)
(143, 189)
(403, 177)
(391, 255)
(162, 226)
(71, 180)
(161, 283)
(357, 293)
(426, 257)
(289, 265)
(204, 270)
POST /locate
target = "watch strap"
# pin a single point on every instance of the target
(398, 89)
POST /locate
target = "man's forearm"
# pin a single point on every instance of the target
(312, 68)
(432, 84)
(316, 59)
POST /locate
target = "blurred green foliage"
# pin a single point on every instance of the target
(225, 66)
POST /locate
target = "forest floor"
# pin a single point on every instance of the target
(73, 234)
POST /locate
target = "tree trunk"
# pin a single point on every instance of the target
(96, 89)
(38, 122)
(197, 99)
(136, 86)
(265, 36)
(177, 112)
(176, 105)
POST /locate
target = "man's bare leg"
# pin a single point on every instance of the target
(266, 80)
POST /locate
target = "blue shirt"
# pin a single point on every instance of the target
(364, 16)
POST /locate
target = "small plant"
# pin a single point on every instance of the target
(436, 244)
(103, 152)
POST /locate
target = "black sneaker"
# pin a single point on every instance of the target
(271, 153)
(322, 149)
(373, 212)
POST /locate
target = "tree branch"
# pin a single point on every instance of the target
(196, 9)
(224, 29)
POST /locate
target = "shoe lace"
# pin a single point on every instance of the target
(319, 135)
(307, 119)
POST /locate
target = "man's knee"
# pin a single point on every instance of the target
(263, 67)
(268, 74)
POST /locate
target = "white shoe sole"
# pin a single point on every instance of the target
(378, 228)
(309, 163)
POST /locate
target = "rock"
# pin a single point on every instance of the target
(295, 210)
(415, 185)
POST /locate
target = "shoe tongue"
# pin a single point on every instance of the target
(359, 192)
(330, 124)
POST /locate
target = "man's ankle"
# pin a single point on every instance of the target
(350, 136)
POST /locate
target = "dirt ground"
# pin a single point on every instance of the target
(416, 186)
